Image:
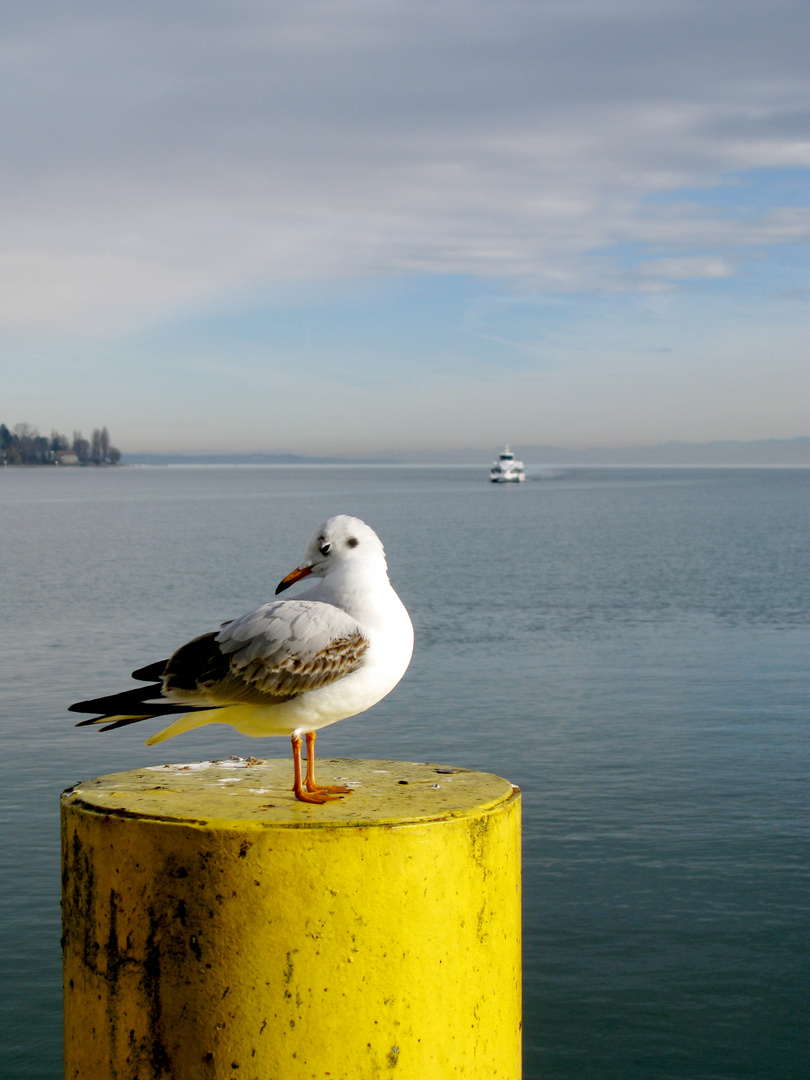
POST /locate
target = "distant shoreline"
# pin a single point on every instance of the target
(534, 470)
(62, 465)
(766, 452)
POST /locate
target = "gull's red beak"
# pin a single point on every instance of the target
(292, 577)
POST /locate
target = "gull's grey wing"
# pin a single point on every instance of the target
(270, 655)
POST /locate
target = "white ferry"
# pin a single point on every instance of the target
(506, 470)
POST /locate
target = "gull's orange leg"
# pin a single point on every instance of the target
(309, 782)
(300, 793)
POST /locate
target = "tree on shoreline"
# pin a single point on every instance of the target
(25, 446)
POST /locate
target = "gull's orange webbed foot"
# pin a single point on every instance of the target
(331, 789)
(313, 796)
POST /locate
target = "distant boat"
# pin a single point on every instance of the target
(506, 470)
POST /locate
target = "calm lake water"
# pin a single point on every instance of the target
(629, 646)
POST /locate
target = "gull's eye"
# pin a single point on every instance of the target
(324, 547)
(352, 541)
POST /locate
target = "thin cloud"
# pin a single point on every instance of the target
(157, 157)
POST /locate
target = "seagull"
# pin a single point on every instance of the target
(292, 666)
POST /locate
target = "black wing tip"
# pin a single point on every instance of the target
(83, 706)
(135, 718)
(123, 723)
(151, 673)
(128, 701)
(124, 701)
(116, 723)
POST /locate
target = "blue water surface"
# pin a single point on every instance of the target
(629, 646)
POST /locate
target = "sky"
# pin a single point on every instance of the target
(365, 226)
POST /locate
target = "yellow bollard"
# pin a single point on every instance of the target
(214, 927)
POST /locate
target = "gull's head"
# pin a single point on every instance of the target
(341, 543)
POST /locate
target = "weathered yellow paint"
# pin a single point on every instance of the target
(214, 927)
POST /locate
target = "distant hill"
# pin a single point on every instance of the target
(230, 459)
(726, 452)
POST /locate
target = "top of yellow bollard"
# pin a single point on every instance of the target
(259, 792)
